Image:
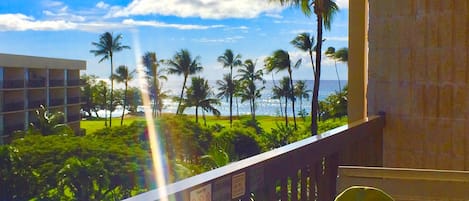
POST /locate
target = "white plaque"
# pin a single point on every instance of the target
(203, 193)
(238, 185)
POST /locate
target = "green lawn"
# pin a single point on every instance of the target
(267, 122)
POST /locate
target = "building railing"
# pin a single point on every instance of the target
(56, 83)
(304, 170)
(9, 107)
(37, 83)
(56, 102)
(11, 84)
(73, 100)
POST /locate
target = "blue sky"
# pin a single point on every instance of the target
(252, 28)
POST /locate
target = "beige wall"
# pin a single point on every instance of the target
(418, 74)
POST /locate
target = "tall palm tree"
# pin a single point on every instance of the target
(324, 11)
(330, 52)
(123, 76)
(283, 91)
(300, 91)
(183, 64)
(230, 60)
(198, 95)
(106, 47)
(226, 87)
(249, 76)
(154, 74)
(280, 60)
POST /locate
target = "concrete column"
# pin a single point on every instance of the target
(358, 59)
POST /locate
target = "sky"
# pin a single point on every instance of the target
(251, 28)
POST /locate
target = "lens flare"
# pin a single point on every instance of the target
(156, 154)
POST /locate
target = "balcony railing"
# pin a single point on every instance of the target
(73, 82)
(73, 100)
(9, 107)
(56, 102)
(304, 170)
(56, 83)
(37, 83)
(11, 84)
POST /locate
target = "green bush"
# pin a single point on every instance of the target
(238, 143)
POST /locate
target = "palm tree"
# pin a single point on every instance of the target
(330, 52)
(198, 95)
(226, 87)
(123, 76)
(183, 64)
(249, 90)
(300, 91)
(154, 74)
(283, 91)
(280, 60)
(324, 11)
(106, 47)
(229, 60)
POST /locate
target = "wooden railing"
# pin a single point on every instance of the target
(304, 170)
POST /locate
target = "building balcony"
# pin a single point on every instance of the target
(56, 102)
(10, 107)
(304, 170)
(73, 100)
(33, 104)
(56, 83)
(36, 83)
(72, 118)
(73, 83)
(12, 84)
(9, 129)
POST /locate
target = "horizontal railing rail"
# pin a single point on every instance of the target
(304, 170)
(37, 83)
(73, 82)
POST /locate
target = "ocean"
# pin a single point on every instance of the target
(266, 105)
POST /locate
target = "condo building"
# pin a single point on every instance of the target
(26, 82)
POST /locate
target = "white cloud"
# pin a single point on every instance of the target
(343, 4)
(50, 3)
(165, 25)
(337, 38)
(63, 14)
(212, 9)
(219, 40)
(20, 22)
(102, 5)
(274, 15)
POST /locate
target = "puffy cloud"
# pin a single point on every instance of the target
(63, 14)
(219, 40)
(343, 4)
(165, 25)
(102, 5)
(20, 22)
(211, 9)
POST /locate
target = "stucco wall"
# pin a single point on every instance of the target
(418, 74)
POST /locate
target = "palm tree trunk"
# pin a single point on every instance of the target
(280, 99)
(337, 73)
(293, 98)
(182, 93)
(203, 116)
(196, 114)
(237, 107)
(286, 113)
(231, 100)
(317, 76)
(125, 102)
(112, 90)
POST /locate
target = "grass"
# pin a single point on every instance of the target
(266, 122)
